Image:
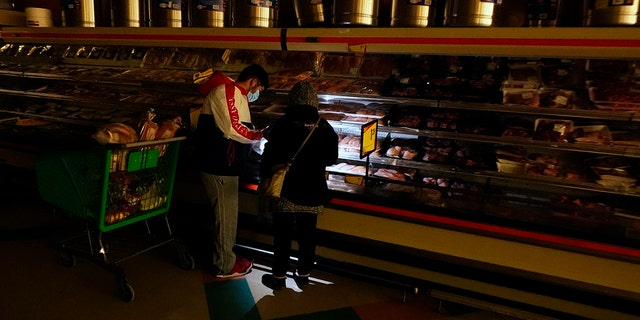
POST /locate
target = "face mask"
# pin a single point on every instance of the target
(253, 96)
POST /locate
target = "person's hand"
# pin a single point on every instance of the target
(265, 131)
(258, 146)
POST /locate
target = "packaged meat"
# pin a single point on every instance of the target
(511, 154)
(341, 64)
(598, 134)
(554, 130)
(558, 98)
(514, 131)
(349, 144)
(376, 66)
(516, 168)
(402, 148)
(348, 169)
(562, 73)
(609, 66)
(399, 174)
(432, 181)
(437, 155)
(530, 97)
(520, 84)
(470, 156)
(625, 138)
(542, 169)
(620, 94)
(525, 71)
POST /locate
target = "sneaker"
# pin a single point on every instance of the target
(240, 268)
(270, 281)
(301, 279)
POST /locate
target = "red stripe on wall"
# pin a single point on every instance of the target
(611, 43)
(153, 37)
(522, 234)
(476, 41)
(552, 239)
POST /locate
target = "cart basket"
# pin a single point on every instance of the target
(113, 185)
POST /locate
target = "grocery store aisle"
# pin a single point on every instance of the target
(35, 286)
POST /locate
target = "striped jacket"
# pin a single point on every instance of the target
(224, 133)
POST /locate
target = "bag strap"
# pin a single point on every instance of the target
(305, 140)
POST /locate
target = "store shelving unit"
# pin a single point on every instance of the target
(522, 42)
(485, 246)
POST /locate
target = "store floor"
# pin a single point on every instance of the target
(34, 285)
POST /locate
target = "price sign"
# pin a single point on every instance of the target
(353, 179)
(357, 48)
(368, 138)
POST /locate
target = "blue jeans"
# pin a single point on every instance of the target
(222, 192)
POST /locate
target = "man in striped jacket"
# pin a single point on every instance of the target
(224, 136)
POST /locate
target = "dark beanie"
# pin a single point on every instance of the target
(303, 93)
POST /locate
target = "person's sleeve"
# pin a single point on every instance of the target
(228, 109)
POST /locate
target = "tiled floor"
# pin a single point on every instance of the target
(35, 286)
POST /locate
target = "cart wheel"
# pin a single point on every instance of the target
(186, 261)
(125, 291)
(67, 259)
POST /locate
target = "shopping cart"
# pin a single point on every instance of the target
(121, 192)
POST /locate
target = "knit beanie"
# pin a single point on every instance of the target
(303, 93)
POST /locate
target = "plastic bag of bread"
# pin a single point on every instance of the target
(168, 128)
(115, 133)
(147, 127)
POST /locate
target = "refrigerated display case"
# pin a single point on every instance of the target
(450, 186)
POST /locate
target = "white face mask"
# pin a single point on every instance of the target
(253, 96)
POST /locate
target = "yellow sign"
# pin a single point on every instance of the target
(368, 138)
(225, 56)
(358, 48)
(357, 180)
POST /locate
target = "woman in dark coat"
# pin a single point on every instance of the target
(305, 187)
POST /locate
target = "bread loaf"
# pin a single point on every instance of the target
(115, 133)
(168, 128)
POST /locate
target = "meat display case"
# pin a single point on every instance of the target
(509, 227)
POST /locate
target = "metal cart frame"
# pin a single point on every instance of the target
(114, 189)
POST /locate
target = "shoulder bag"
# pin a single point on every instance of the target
(272, 186)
